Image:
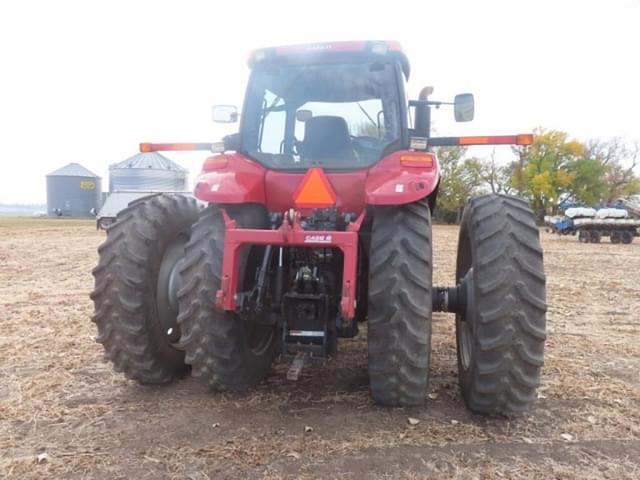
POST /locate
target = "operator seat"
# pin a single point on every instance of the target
(326, 138)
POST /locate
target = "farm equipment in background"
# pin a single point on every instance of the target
(632, 205)
(319, 218)
(591, 225)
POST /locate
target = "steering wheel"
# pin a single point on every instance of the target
(365, 141)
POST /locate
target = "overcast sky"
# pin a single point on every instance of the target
(86, 81)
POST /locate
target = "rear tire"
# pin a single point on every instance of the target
(131, 309)
(615, 236)
(627, 237)
(501, 336)
(225, 352)
(400, 274)
(595, 236)
(583, 236)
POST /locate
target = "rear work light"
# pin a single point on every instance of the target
(421, 160)
(380, 48)
(214, 163)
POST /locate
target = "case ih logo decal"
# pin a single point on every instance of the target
(317, 239)
(319, 46)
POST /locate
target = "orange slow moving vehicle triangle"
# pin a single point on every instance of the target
(314, 190)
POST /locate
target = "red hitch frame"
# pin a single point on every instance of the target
(290, 234)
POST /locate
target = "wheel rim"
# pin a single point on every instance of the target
(465, 321)
(465, 345)
(167, 289)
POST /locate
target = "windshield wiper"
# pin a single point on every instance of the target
(268, 110)
(367, 115)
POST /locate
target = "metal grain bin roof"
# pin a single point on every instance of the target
(73, 170)
(152, 160)
(148, 172)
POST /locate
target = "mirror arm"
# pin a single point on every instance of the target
(416, 103)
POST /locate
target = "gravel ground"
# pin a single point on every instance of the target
(65, 414)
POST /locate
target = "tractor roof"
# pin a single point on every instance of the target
(331, 52)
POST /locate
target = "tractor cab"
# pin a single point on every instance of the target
(336, 110)
(338, 106)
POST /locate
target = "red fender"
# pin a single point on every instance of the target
(402, 177)
(231, 178)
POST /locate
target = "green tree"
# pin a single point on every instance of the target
(460, 178)
(544, 170)
(588, 183)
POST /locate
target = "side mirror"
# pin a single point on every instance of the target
(225, 113)
(463, 107)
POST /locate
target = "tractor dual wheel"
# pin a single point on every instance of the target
(501, 334)
(134, 295)
(399, 318)
(225, 351)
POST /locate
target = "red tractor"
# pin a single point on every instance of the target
(318, 218)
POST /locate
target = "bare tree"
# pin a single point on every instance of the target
(496, 176)
(621, 159)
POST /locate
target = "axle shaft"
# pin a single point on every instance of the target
(453, 299)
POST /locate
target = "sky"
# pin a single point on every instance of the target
(87, 81)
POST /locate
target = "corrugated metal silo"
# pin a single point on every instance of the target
(148, 172)
(73, 191)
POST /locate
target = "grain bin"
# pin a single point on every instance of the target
(73, 191)
(148, 172)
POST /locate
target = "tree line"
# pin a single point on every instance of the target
(554, 169)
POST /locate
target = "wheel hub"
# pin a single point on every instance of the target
(169, 284)
(458, 299)
(461, 301)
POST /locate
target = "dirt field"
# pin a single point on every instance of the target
(60, 401)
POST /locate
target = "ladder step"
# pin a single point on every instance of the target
(306, 333)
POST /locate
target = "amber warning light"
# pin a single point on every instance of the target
(314, 191)
(522, 139)
(418, 159)
(173, 147)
